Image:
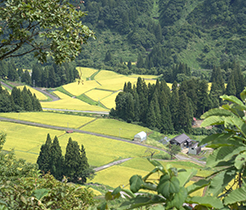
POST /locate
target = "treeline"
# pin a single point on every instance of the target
(74, 165)
(18, 100)
(158, 107)
(40, 75)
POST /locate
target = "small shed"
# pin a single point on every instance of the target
(182, 140)
(140, 136)
(194, 149)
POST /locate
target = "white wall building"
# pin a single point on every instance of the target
(140, 136)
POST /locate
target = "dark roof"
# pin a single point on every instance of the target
(181, 138)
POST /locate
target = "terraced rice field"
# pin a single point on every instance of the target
(86, 72)
(115, 128)
(105, 75)
(71, 104)
(77, 89)
(121, 176)
(109, 101)
(56, 119)
(39, 95)
(23, 139)
(98, 95)
(61, 95)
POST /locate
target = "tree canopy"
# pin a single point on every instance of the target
(47, 28)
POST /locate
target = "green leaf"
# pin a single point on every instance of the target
(216, 137)
(197, 185)
(129, 193)
(40, 193)
(234, 141)
(223, 154)
(208, 201)
(237, 195)
(136, 183)
(213, 120)
(156, 164)
(149, 186)
(103, 206)
(179, 199)
(140, 201)
(220, 181)
(184, 177)
(168, 186)
(243, 95)
(233, 99)
(116, 190)
(240, 160)
(239, 123)
(216, 112)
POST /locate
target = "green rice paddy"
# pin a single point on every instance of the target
(115, 128)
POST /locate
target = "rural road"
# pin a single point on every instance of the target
(54, 98)
(179, 157)
(70, 110)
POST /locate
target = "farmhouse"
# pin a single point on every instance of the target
(194, 149)
(140, 136)
(182, 140)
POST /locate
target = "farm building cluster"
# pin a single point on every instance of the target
(184, 141)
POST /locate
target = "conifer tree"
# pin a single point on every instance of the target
(27, 101)
(140, 62)
(184, 116)
(43, 160)
(150, 116)
(56, 159)
(203, 103)
(166, 121)
(136, 106)
(231, 87)
(84, 169)
(129, 65)
(75, 165)
(174, 105)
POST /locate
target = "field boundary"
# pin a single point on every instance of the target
(87, 123)
(92, 77)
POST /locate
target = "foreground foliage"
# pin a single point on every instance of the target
(21, 187)
(47, 28)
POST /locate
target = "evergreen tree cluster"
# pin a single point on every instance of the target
(18, 100)
(42, 76)
(157, 107)
(74, 165)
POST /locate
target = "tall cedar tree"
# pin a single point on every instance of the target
(184, 116)
(75, 164)
(174, 106)
(44, 157)
(56, 159)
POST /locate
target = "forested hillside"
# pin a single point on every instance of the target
(158, 34)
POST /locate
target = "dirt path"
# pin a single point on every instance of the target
(111, 164)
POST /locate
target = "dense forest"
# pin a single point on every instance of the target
(158, 34)
(18, 100)
(41, 75)
(158, 107)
